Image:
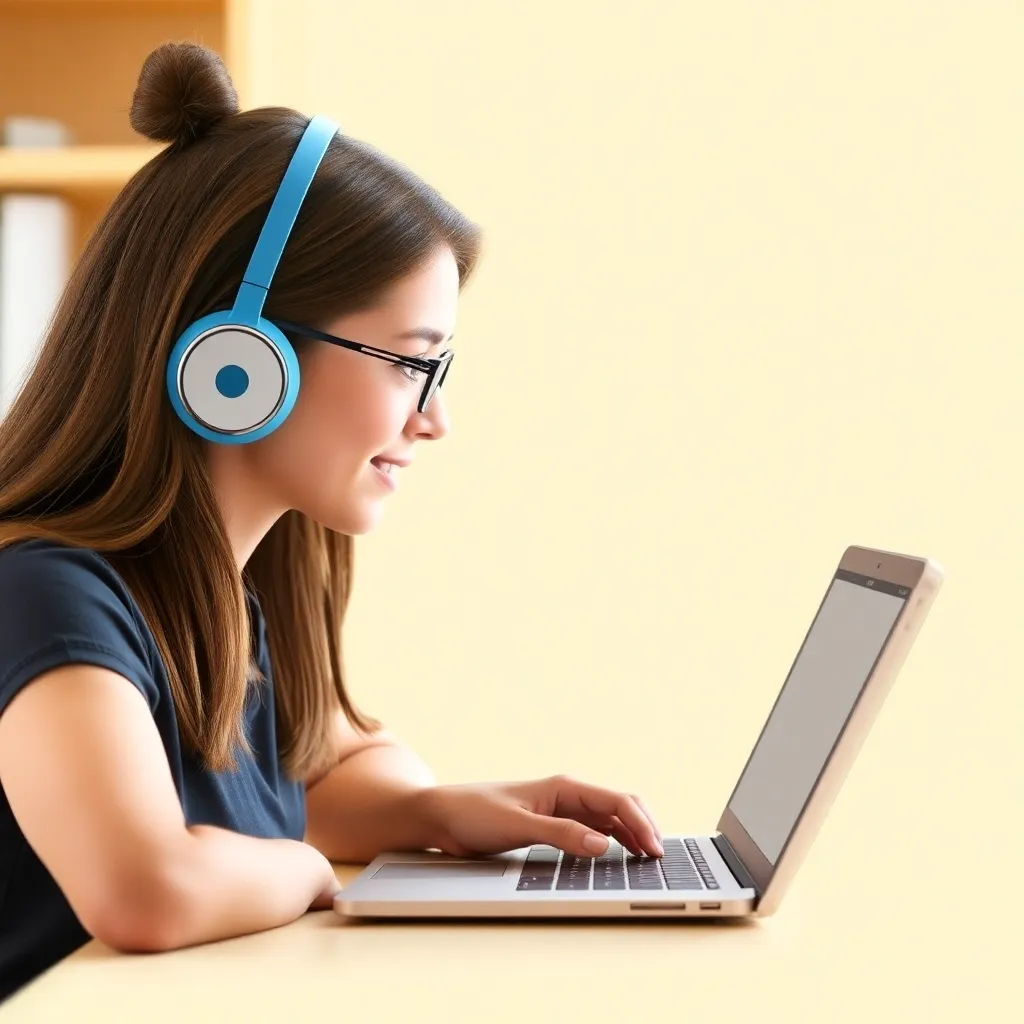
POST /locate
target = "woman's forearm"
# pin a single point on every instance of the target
(368, 804)
(217, 884)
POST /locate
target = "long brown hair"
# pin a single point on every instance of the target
(91, 452)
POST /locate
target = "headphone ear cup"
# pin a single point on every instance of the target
(230, 382)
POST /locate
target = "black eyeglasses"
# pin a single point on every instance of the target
(436, 369)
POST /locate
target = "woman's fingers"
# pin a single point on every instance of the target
(613, 827)
(573, 796)
(650, 817)
(566, 834)
(580, 838)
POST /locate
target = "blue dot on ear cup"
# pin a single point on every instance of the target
(232, 381)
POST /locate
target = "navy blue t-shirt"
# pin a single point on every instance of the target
(59, 605)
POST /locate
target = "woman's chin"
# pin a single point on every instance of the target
(357, 510)
(358, 517)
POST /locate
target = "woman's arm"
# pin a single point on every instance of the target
(379, 796)
(366, 803)
(84, 769)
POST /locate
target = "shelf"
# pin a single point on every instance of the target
(72, 170)
(78, 62)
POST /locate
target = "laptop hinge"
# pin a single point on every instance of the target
(732, 859)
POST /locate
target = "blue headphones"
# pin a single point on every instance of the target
(232, 376)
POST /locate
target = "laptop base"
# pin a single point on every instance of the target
(540, 882)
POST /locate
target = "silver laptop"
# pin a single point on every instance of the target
(864, 627)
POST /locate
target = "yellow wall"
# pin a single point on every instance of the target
(761, 273)
(760, 267)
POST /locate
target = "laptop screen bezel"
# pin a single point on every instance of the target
(922, 577)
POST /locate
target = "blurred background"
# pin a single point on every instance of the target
(751, 292)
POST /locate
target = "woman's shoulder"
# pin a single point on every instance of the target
(66, 602)
(36, 563)
(43, 549)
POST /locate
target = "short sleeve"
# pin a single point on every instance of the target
(61, 605)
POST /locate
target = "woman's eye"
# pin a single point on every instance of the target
(412, 373)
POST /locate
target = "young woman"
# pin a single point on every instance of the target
(247, 354)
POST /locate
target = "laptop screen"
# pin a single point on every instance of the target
(838, 653)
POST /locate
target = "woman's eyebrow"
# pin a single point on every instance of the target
(424, 334)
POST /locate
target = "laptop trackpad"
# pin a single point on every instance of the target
(426, 869)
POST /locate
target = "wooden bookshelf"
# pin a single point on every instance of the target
(74, 170)
(78, 61)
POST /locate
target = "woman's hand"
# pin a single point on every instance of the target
(559, 811)
(329, 886)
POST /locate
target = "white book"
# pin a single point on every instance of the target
(35, 258)
(33, 131)
(35, 244)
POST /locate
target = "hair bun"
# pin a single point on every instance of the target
(183, 90)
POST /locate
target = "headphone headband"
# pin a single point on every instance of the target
(277, 227)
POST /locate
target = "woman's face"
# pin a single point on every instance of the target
(355, 411)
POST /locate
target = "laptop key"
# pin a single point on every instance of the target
(574, 873)
(684, 883)
(540, 867)
(706, 874)
(573, 881)
(644, 872)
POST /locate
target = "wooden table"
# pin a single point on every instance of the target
(810, 962)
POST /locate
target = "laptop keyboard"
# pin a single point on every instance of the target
(682, 867)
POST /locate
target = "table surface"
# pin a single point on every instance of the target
(814, 960)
